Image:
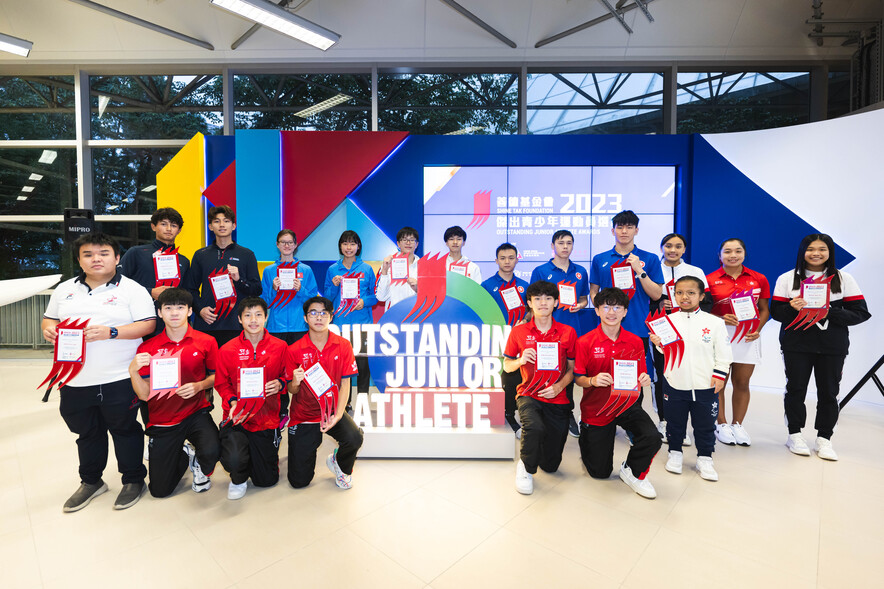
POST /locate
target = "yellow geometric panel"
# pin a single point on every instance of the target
(180, 185)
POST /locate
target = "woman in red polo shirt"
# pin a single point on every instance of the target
(725, 287)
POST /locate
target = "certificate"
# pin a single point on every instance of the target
(625, 375)
(251, 382)
(670, 290)
(349, 288)
(744, 308)
(623, 277)
(665, 330)
(511, 298)
(399, 268)
(318, 379)
(165, 373)
(166, 266)
(222, 286)
(567, 294)
(547, 355)
(70, 345)
(287, 278)
(816, 295)
(458, 269)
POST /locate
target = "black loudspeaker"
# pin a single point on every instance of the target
(78, 222)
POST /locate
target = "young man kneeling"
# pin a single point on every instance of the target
(250, 375)
(604, 354)
(172, 372)
(320, 365)
(543, 349)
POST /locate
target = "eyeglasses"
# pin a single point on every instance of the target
(408, 240)
(610, 308)
(314, 313)
(286, 243)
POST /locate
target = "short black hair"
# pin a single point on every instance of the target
(248, 303)
(456, 231)
(407, 232)
(96, 238)
(611, 296)
(222, 210)
(167, 214)
(175, 296)
(695, 280)
(347, 237)
(541, 288)
(287, 232)
(505, 246)
(624, 218)
(327, 304)
(560, 234)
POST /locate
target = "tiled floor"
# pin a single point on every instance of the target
(774, 519)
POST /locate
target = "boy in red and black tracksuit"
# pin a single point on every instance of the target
(182, 414)
(250, 431)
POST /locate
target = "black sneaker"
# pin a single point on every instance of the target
(573, 429)
(83, 496)
(130, 495)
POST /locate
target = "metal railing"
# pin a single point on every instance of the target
(20, 322)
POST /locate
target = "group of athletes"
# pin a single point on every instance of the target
(168, 337)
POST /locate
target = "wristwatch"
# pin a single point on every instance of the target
(643, 275)
(114, 333)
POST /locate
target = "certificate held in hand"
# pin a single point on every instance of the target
(250, 394)
(625, 389)
(165, 375)
(661, 325)
(567, 294)
(69, 353)
(399, 270)
(817, 293)
(223, 291)
(165, 265)
(623, 277)
(325, 390)
(744, 309)
(287, 272)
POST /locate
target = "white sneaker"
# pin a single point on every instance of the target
(201, 482)
(798, 445)
(725, 434)
(661, 427)
(641, 486)
(344, 481)
(824, 449)
(687, 440)
(742, 438)
(524, 479)
(706, 468)
(235, 491)
(674, 464)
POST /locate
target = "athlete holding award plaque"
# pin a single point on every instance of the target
(740, 297)
(397, 277)
(816, 304)
(285, 285)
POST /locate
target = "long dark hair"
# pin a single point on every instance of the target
(800, 264)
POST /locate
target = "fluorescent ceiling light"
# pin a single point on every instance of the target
(15, 45)
(150, 188)
(321, 106)
(22, 197)
(273, 17)
(465, 131)
(27, 189)
(35, 177)
(48, 156)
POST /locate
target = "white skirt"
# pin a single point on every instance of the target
(744, 352)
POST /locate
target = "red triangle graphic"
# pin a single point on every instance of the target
(223, 190)
(321, 168)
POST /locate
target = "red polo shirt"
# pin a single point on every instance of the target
(526, 336)
(336, 358)
(240, 353)
(198, 358)
(595, 352)
(722, 286)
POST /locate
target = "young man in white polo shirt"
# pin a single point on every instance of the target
(455, 238)
(100, 399)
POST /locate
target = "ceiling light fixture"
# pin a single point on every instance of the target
(22, 197)
(15, 45)
(27, 189)
(273, 17)
(324, 105)
(35, 177)
(48, 156)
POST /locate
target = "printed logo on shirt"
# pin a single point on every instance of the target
(244, 354)
(69, 296)
(578, 275)
(234, 259)
(111, 300)
(605, 264)
(521, 289)
(706, 338)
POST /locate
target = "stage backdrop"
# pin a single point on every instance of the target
(769, 188)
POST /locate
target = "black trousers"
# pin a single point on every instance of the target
(254, 455)
(304, 440)
(168, 460)
(363, 379)
(544, 432)
(92, 412)
(827, 374)
(702, 406)
(597, 443)
(660, 386)
(510, 381)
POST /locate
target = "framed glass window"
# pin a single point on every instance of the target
(303, 102)
(155, 107)
(725, 102)
(37, 107)
(37, 181)
(125, 179)
(449, 103)
(595, 103)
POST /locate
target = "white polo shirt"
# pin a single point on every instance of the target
(119, 302)
(472, 270)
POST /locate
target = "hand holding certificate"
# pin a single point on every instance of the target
(512, 301)
(744, 309)
(224, 292)
(547, 355)
(287, 273)
(567, 294)
(671, 342)
(165, 265)
(625, 387)
(326, 393)
(69, 353)
(399, 271)
(816, 292)
(623, 277)
(250, 394)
